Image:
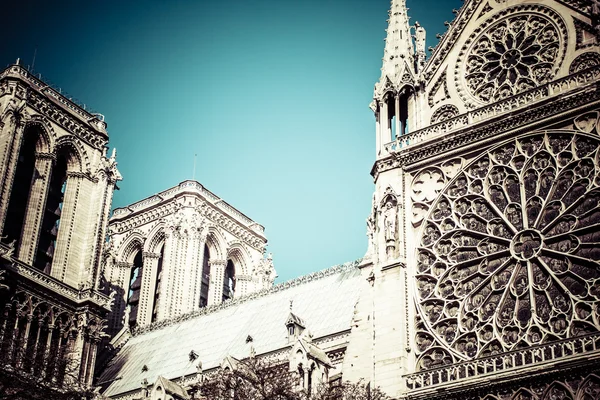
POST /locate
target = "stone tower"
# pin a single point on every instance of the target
(56, 189)
(181, 250)
(483, 267)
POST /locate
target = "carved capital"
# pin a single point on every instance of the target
(149, 255)
(123, 264)
(217, 262)
(45, 156)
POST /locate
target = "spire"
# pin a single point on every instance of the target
(399, 53)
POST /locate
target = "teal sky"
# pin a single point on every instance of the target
(272, 96)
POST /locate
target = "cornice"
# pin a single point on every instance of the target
(150, 210)
(243, 299)
(186, 188)
(52, 104)
(58, 288)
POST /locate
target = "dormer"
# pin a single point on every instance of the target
(295, 326)
(309, 362)
(165, 389)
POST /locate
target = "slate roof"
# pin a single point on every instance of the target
(324, 299)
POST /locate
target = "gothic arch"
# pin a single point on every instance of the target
(156, 237)
(77, 158)
(44, 141)
(133, 243)
(240, 257)
(557, 390)
(216, 244)
(589, 389)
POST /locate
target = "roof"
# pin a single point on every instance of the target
(325, 299)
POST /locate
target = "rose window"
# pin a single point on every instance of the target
(515, 54)
(509, 254)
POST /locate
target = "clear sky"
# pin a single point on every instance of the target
(272, 96)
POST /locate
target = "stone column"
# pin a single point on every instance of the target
(400, 123)
(148, 288)
(386, 132)
(217, 274)
(67, 249)
(36, 207)
(11, 140)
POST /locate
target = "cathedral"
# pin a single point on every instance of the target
(481, 279)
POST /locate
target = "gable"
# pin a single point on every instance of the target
(497, 49)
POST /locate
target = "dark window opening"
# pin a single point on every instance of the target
(159, 268)
(205, 278)
(135, 284)
(17, 205)
(229, 281)
(52, 214)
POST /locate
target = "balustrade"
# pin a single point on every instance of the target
(568, 348)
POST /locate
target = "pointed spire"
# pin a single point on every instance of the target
(399, 52)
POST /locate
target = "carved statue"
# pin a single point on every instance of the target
(419, 38)
(126, 316)
(389, 221)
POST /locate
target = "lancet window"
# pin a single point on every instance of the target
(229, 281)
(52, 214)
(135, 284)
(159, 268)
(17, 206)
(205, 278)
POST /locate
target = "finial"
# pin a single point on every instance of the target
(113, 155)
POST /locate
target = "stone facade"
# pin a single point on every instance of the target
(56, 192)
(483, 251)
(482, 271)
(181, 250)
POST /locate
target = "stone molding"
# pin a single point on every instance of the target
(499, 367)
(246, 232)
(464, 132)
(54, 285)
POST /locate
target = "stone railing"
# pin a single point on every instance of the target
(506, 362)
(43, 87)
(462, 121)
(187, 186)
(54, 284)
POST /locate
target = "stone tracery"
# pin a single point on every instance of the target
(509, 253)
(514, 54)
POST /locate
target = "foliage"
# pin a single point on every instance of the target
(255, 379)
(42, 376)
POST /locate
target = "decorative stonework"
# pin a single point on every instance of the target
(439, 91)
(515, 51)
(468, 128)
(586, 35)
(584, 61)
(509, 253)
(444, 113)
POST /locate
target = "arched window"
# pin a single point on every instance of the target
(205, 278)
(52, 213)
(135, 283)
(24, 173)
(229, 281)
(159, 268)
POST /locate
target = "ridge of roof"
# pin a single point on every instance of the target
(340, 268)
